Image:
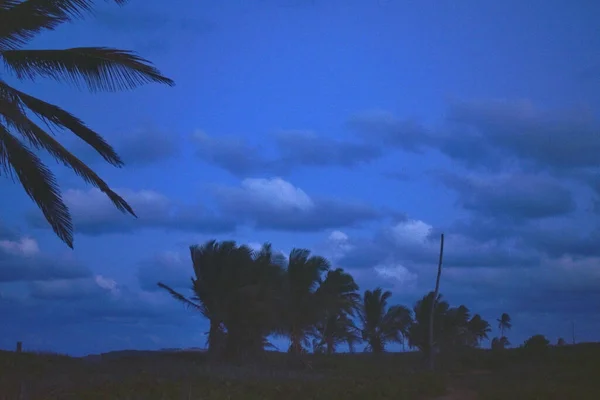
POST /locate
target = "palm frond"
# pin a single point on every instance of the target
(179, 297)
(62, 119)
(39, 183)
(22, 20)
(39, 139)
(99, 68)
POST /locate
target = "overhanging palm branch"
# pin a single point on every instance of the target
(97, 68)
(190, 303)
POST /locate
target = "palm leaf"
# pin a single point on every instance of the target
(39, 139)
(22, 20)
(99, 68)
(57, 117)
(39, 183)
(179, 297)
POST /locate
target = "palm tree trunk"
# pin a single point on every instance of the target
(431, 354)
(214, 337)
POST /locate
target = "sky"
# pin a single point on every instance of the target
(358, 129)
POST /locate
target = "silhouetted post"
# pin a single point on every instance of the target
(573, 331)
(19, 347)
(431, 354)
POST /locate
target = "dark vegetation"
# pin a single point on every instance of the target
(561, 372)
(248, 296)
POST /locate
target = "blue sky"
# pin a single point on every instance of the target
(358, 129)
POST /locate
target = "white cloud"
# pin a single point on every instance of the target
(399, 274)
(23, 247)
(412, 231)
(277, 193)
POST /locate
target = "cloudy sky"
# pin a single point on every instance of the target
(358, 129)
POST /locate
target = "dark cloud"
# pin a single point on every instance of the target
(232, 154)
(146, 147)
(276, 204)
(300, 148)
(22, 260)
(291, 149)
(415, 243)
(544, 139)
(139, 148)
(383, 128)
(494, 134)
(515, 196)
(94, 214)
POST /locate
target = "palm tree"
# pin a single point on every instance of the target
(419, 330)
(338, 299)
(500, 343)
(237, 290)
(504, 322)
(380, 324)
(301, 305)
(209, 286)
(478, 329)
(97, 68)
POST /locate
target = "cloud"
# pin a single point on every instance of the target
(297, 148)
(557, 139)
(230, 153)
(494, 134)
(288, 150)
(170, 268)
(514, 196)
(277, 204)
(22, 260)
(139, 148)
(414, 243)
(70, 289)
(94, 214)
(382, 127)
(146, 147)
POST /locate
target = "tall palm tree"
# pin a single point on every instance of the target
(97, 68)
(209, 287)
(238, 290)
(380, 324)
(504, 323)
(302, 309)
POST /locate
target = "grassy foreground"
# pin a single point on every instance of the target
(570, 372)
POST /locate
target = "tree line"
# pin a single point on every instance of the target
(248, 295)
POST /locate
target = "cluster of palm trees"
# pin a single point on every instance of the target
(249, 295)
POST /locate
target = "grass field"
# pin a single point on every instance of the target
(570, 372)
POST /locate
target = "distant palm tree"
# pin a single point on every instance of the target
(500, 343)
(301, 302)
(98, 68)
(504, 323)
(380, 324)
(478, 329)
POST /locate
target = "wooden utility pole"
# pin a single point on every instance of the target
(431, 355)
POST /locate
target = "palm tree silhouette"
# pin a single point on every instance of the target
(339, 300)
(504, 323)
(380, 324)
(301, 303)
(97, 68)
